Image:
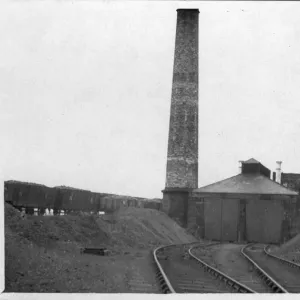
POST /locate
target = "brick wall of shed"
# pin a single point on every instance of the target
(195, 222)
(175, 205)
(291, 181)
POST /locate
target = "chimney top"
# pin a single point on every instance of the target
(189, 9)
(278, 165)
(278, 172)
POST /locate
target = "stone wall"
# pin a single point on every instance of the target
(291, 181)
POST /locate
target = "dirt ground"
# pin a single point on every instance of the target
(42, 254)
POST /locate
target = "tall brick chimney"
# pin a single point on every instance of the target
(182, 161)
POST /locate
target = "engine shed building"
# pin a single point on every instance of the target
(248, 207)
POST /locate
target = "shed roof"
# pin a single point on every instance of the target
(251, 161)
(246, 184)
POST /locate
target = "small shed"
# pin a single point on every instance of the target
(248, 207)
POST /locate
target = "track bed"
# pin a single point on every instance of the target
(228, 259)
(285, 275)
(186, 276)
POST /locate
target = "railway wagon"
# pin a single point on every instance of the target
(132, 203)
(152, 204)
(31, 196)
(118, 204)
(73, 200)
(81, 200)
(50, 195)
(101, 202)
(108, 204)
(97, 201)
(16, 193)
(140, 203)
(21, 195)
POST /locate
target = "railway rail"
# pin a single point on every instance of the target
(281, 275)
(228, 259)
(267, 251)
(180, 271)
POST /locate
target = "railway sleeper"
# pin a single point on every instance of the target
(282, 260)
(162, 281)
(268, 280)
(230, 283)
(165, 288)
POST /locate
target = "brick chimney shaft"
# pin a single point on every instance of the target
(182, 160)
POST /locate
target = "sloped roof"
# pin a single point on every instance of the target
(251, 161)
(246, 184)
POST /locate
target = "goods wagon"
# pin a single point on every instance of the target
(101, 202)
(25, 195)
(108, 205)
(50, 195)
(118, 204)
(152, 204)
(36, 196)
(31, 196)
(140, 203)
(82, 200)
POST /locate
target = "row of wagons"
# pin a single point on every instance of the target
(42, 197)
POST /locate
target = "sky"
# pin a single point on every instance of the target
(85, 91)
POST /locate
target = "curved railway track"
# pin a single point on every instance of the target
(281, 275)
(180, 270)
(228, 259)
(281, 259)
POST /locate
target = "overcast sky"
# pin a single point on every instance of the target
(85, 89)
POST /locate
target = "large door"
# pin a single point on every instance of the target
(273, 220)
(263, 221)
(230, 215)
(254, 221)
(212, 216)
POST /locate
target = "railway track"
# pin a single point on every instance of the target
(228, 259)
(281, 259)
(180, 271)
(281, 275)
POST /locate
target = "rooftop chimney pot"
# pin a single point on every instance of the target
(240, 166)
(278, 172)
